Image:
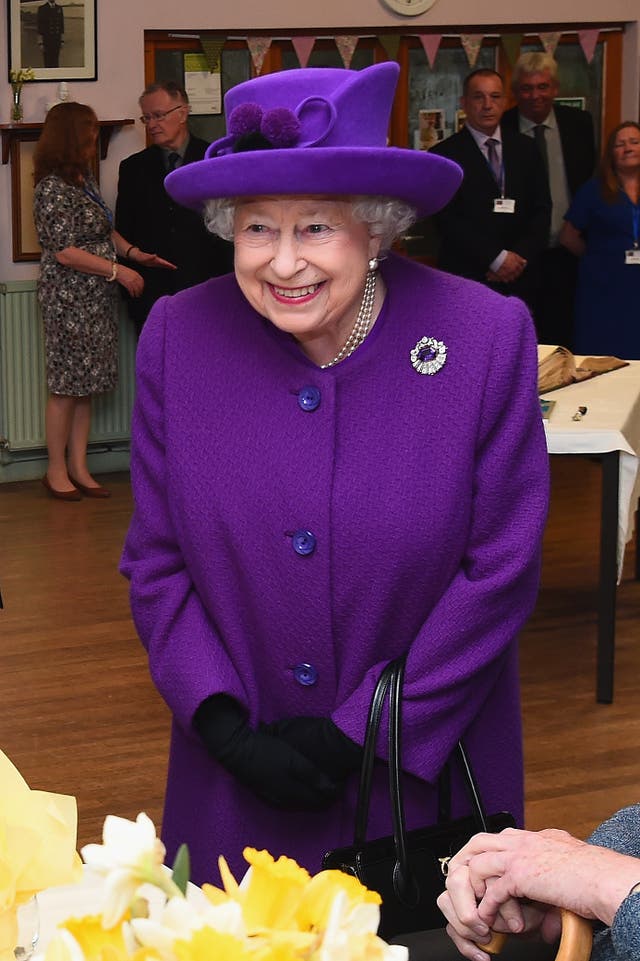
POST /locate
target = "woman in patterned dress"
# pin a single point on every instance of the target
(76, 292)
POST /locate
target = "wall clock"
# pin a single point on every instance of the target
(409, 8)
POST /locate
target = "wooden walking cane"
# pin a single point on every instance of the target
(575, 941)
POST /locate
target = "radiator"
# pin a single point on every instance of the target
(23, 389)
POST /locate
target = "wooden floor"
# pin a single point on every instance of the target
(79, 714)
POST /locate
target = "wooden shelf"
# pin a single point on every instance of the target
(12, 132)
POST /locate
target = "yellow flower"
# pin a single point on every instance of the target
(207, 944)
(270, 892)
(316, 904)
(94, 939)
(129, 856)
(180, 918)
(92, 942)
(23, 75)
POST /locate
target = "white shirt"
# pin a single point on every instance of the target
(481, 140)
(558, 186)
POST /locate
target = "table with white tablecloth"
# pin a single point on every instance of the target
(610, 432)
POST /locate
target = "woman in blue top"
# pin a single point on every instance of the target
(602, 227)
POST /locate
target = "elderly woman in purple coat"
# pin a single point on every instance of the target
(337, 458)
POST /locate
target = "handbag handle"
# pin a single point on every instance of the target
(390, 683)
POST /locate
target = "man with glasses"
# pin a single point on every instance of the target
(148, 217)
(565, 140)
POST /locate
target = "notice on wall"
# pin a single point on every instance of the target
(203, 86)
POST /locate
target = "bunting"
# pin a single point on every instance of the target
(550, 41)
(346, 46)
(212, 50)
(258, 47)
(391, 44)
(471, 43)
(588, 40)
(430, 43)
(511, 43)
(303, 47)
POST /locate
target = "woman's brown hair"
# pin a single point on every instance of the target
(609, 182)
(66, 143)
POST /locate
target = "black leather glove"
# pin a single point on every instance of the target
(270, 767)
(320, 740)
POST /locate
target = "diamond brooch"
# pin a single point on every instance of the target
(429, 356)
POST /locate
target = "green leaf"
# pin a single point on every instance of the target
(181, 868)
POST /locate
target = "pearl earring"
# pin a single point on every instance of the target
(374, 263)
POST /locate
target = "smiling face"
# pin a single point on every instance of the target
(484, 103)
(302, 262)
(535, 94)
(626, 150)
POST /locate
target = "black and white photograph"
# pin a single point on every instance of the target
(54, 38)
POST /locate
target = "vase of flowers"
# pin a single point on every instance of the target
(18, 78)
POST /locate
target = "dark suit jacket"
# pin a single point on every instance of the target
(471, 234)
(577, 138)
(147, 217)
(50, 23)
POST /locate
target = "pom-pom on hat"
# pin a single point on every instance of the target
(315, 131)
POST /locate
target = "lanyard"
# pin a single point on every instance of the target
(635, 220)
(97, 199)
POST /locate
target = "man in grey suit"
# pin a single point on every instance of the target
(565, 140)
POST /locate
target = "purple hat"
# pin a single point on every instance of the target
(315, 131)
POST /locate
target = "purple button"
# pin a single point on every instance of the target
(304, 543)
(309, 398)
(305, 674)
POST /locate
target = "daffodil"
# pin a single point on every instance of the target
(350, 934)
(91, 942)
(320, 895)
(206, 944)
(94, 939)
(179, 920)
(130, 855)
(269, 893)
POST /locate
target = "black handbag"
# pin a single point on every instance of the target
(407, 869)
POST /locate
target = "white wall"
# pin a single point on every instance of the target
(121, 25)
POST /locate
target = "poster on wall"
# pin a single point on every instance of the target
(430, 128)
(55, 38)
(203, 86)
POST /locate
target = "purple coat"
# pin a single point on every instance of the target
(427, 496)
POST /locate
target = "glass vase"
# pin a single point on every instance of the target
(28, 930)
(16, 106)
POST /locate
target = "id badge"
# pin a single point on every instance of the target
(632, 256)
(504, 205)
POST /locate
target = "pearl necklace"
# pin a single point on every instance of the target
(362, 324)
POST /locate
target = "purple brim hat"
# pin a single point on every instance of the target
(315, 131)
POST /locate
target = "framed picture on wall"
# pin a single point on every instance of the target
(578, 102)
(56, 38)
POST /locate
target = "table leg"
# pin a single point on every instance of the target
(608, 576)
